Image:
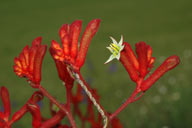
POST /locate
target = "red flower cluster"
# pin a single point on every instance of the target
(31, 106)
(69, 59)
(70, 54)
(30, 60)
(138, 67)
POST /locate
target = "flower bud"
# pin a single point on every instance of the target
(170, 63)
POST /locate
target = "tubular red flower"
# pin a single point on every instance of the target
(131, 55)
(35, 98)
(38, 62)
(57, 51)
(141, 50)
(64, 31)
(32, 52)
(125, 60)
(17, 115)
(75, 30)
(64, 35)
(4, 116)
(137, 68)
(36, 115)
(6, 102)
(170, 63)
(23, 61)
(62, 69)
(30, 60)
(149, 53)
(69, 35)
(88, 34)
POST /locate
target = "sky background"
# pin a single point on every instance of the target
(166, 25)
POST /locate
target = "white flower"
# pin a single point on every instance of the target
(115, 48)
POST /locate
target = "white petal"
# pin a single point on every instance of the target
(113, 40)
(121, 40)
(110, 49)
(110, 59)
(121, 48)
(118, 56)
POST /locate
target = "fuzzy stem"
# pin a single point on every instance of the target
(87, 89)
(63, 108)
(53, 120)
(68, 91)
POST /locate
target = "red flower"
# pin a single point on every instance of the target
(138, 67)
(70, 53)
(170, 63)
(62, 69)
(4, 116)
(29, 62)
(36, 115)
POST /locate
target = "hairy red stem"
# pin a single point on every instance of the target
(63, 108)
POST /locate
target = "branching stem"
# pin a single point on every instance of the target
(63, 108)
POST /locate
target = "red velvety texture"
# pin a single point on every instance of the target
(87, 36)
(36, 115)
(141, 50)
(69, 35)
(170, 63)
(130, 62)
(62, 69)
(6, 102)
(30, 61)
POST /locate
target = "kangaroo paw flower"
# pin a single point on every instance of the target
(70, 55)
(139, 66)
(170, 63)
(29, 62)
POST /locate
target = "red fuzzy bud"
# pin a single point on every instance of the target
(37, 41)
(36, 115)
(23, 61)
(141, 50)
(32, 54)
(17, 115)
(131, 55)
(38, 63)
(61, 69)
(64, 35)
(26, 54)
(36, 97)
(30, 61)
(6, 102)
(64, 31)
(170, 63)
(75, 30)
(127, 63)
(88, 34)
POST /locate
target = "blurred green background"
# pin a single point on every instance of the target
(166, 25)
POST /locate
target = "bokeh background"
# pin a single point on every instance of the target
(164, 24)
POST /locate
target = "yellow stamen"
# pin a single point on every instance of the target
(115, 49)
